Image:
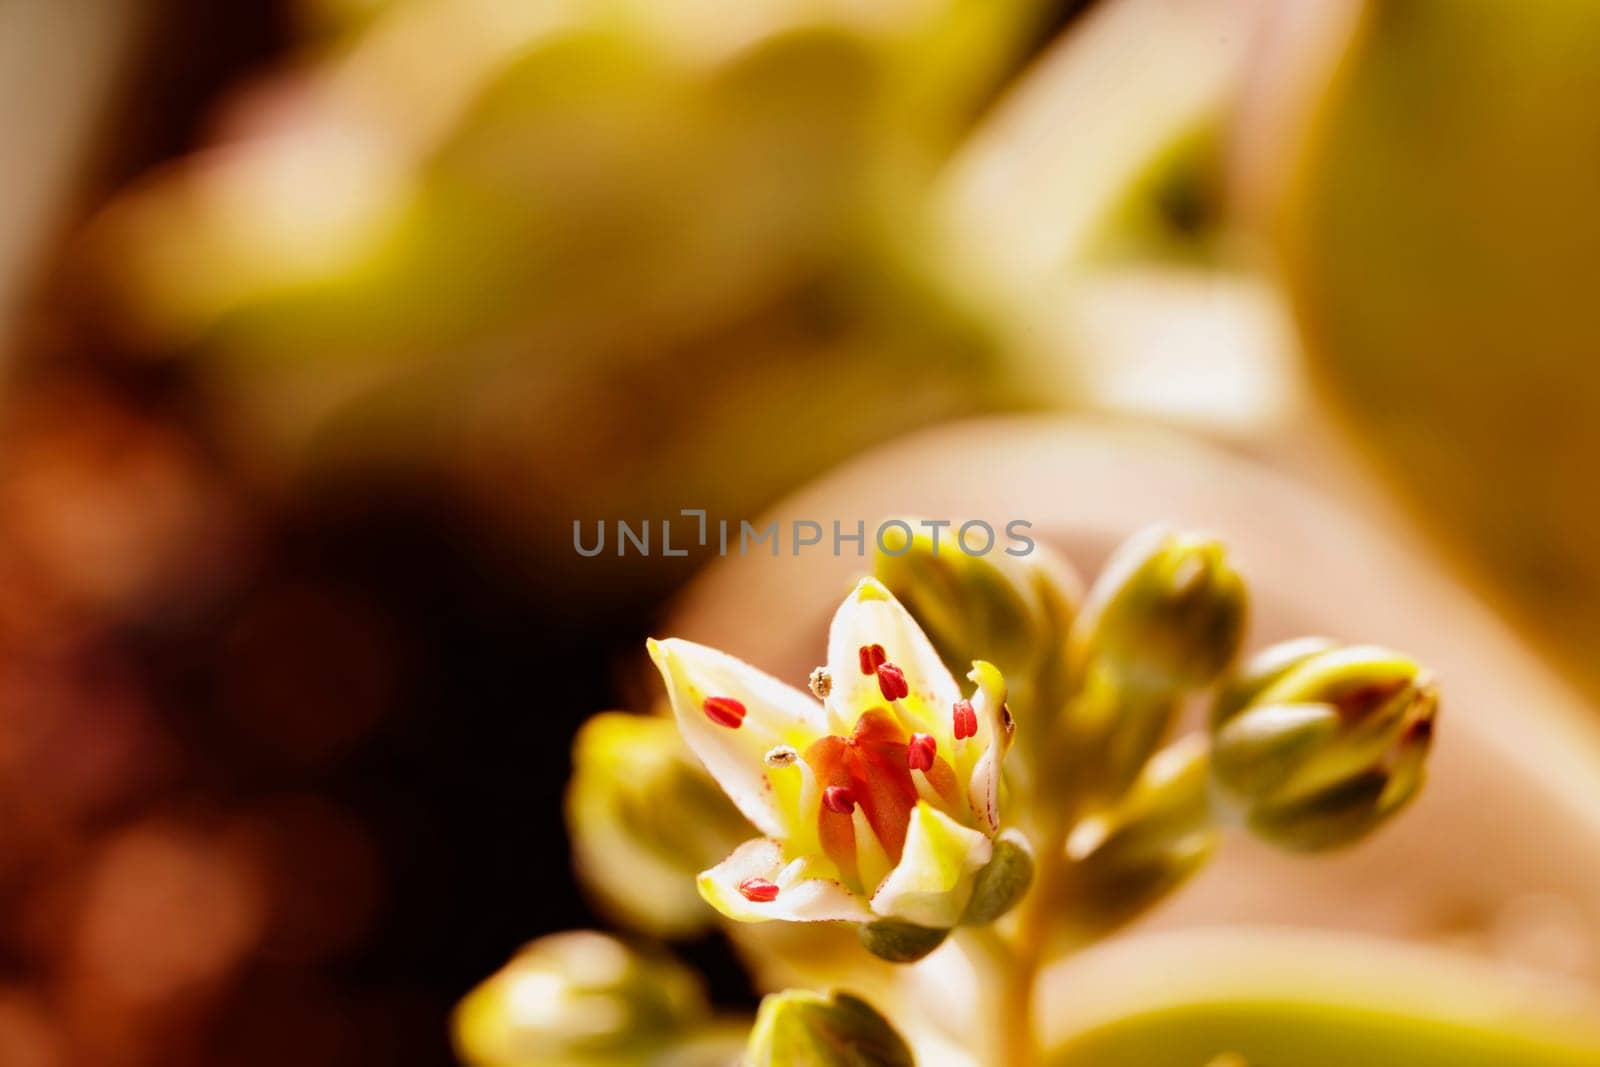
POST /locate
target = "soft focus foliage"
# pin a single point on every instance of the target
(1427, 173)
(445, 246)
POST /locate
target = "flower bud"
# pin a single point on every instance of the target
(581, 999)
(1110, 732)
(1011, 611)
(1123, 859)
(799, 1028)
(1167, 614)
(644, 820)
(1327, 748)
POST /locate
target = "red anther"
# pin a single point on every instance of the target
(839, 799)
(758, 890)
(892, 682)
(872, 657)
(920, 751)
(964, 719)
(724, 711)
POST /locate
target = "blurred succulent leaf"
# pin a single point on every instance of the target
(1106, 214)
(578, 999)
(804, 1029)
(644, 819)
(1020, 184)
(397, 270)
(1378, 129)
(1310, 999)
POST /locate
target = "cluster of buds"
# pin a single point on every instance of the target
(883, 798)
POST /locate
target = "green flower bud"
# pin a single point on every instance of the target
(580, 999)
(1013, 611)
(644, 819)
(1167, 614)
(1110, 733)
(799, 1028)
(1328, 747)
(1002, 882)
(900, 942)
(1125, 858)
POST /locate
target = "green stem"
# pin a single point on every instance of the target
(1015, 962)
(1010, 966)
(1007, 991)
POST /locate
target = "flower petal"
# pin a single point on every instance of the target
(800, 897)
(933, 881)
(872, 616)
(774, 714)
(991, 742)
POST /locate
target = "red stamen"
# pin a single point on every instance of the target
(872, 657)
(839, 799)
(921, 751)
(965, 719)
(892, 682)
(758, 890)
(724, 711)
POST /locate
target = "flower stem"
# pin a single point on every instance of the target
(1008, 998)
(1010, 965)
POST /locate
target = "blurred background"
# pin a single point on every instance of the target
(322, 321)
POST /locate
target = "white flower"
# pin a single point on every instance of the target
(880, 802)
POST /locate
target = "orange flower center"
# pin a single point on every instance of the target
(872, 769)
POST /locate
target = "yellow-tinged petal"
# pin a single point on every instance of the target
(870, 616)
(933, 881)
(770, 715)
(754, 884)
(995, 730)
